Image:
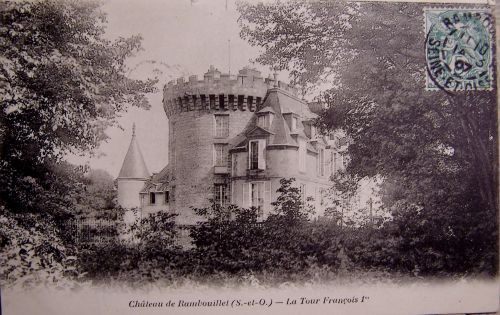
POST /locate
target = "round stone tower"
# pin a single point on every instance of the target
(205, 118)
(132, 177)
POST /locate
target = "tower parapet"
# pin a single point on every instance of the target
(219, 91)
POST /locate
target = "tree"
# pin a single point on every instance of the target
(289, 208)
(230, 239)
(98, 196)
(304, 39)
(342, 193)
(31, 255)
(283, 246)
(437, 152)
(292, 241)
(62, 85)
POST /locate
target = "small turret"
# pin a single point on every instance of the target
(133, 175)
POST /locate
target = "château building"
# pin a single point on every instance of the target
(231, 140)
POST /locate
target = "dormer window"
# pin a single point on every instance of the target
(265, 120)
(265, 117)
(292, 120)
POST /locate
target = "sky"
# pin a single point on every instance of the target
(182, 38)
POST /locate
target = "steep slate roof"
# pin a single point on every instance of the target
(133, 165)
(283, 134)
(291, 104)
(280, 102)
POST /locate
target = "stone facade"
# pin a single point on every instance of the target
(231, 140)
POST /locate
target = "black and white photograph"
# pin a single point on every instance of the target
(248, 157)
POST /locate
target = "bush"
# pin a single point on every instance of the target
(150, 252)
(230, 240)
(233, 239)
(32, 251)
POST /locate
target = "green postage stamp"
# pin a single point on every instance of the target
(458, 49)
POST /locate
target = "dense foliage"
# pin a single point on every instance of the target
(32, 254)
(435, 151)
(236, 246)
(144, 251)
(98, 197)
(230, 243)
(62, 83)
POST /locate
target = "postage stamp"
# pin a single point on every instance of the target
(458, 49)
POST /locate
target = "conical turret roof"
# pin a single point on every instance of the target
(133, 164)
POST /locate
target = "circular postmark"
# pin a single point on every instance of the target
(458, 50)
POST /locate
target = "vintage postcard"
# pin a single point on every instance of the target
(248, 157)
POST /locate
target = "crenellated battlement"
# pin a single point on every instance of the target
(219, 91)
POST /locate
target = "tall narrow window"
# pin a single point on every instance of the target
(220, 154)
(234, 165)
(152, 198)
(321, 162)
(220, 194)
(167, 197)
(254, 155)
(302, 157)
(257, 195)
(221, 126)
